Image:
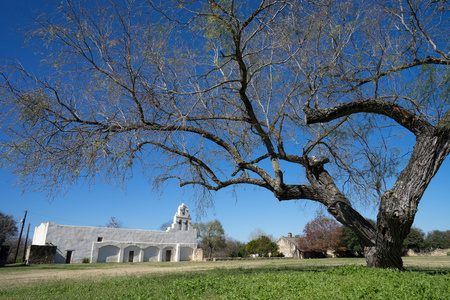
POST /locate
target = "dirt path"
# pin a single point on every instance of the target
(22, 276)
(31, 277)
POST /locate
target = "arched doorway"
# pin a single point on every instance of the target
(151, 254)
(168, 254)
(131, 254)
(108, 254)
(186, 254)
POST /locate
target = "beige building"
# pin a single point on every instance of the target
(289, 246)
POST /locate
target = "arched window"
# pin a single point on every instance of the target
(187, 225)
(179, 225)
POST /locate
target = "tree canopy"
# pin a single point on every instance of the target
(437, 239)
(211, 235)
(351, 241)
(233, 248)
(414, 240)
(262, 246)
(322, 234)
(306, 99)
(114, 223)
(8, 227)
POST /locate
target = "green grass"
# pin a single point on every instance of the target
(286, 279)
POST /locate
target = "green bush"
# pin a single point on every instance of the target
(85, 260)
(277, 254)
(448, 253)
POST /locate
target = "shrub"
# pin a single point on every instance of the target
(85, 260)
(278, 254)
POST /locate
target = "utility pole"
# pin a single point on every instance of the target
(20, 236)
(26, 241)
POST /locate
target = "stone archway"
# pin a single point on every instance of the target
(108, 254)
(131, 254)
(151, 254)
(186, 254)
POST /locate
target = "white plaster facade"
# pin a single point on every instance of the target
(99, 244)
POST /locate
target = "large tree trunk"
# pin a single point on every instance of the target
(384, 253)
(398, 206)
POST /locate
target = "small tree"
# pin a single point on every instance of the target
(211, 235)
(12, 243)
(165, 225)
(114, 223)
(414, 240)
(259, 232)
(262, 246)
(322, 234)
(8, 227)
(242, 251)
(231, 248)
(351, 241)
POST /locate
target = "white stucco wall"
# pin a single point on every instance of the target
(101, 244)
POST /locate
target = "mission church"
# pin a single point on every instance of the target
(76, 244)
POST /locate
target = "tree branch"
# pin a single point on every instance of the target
(403, 117)
(418, 62)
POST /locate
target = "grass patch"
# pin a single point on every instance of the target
(96, 266)
(288, 279)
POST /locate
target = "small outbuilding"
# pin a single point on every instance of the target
(289, 246)
(76, 244)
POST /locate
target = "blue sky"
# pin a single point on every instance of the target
(139, 207)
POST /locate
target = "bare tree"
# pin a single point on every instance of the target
(215, 94)
(165, 225)
(114, 223)
(259, 232)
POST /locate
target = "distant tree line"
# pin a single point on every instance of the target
(213, 240)
(322, 234)
(319, 235)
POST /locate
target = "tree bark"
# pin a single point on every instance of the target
(398, 206)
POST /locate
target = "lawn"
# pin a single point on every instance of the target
(425, 278)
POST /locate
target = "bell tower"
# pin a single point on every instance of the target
(182, 221)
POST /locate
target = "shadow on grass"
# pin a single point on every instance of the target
(318, 269)
(17, 265)
(429, 271)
